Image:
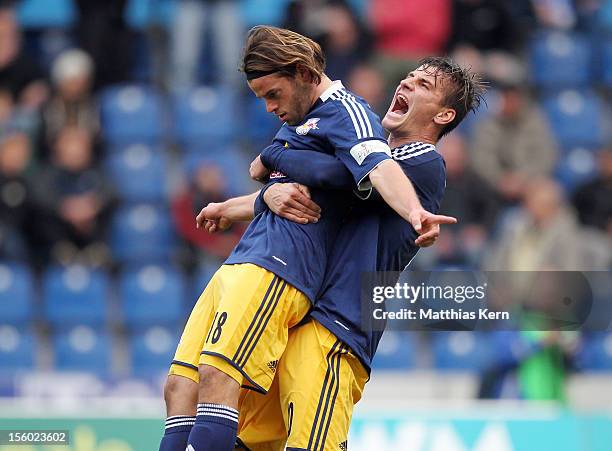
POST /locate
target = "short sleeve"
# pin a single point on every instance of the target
(358, 139)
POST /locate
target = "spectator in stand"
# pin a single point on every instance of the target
(193, 18)
(515, 143)
(18, 224)
(543, 234)
(77, 200)
(16, 117)
(469, 197)
(346, 42)
(367, 81)
(556, 14)
(102, 32)
(72, 104)
(19, 73)
(405, 31)
(207, 185)
(485, 25)
(593, 201)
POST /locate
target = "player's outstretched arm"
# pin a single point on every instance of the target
(219, 216)
(397, 191)
(313, 169)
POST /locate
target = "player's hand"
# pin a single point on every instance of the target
(257, 170)
(427, 225)
(211, 218)
(292, 201)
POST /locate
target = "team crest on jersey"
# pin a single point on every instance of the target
(311, 124)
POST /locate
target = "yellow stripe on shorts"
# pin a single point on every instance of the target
(327, 399)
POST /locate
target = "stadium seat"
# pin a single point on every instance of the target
(261, 126)
(607, 62)
(141, 233)
(596, 352)
(561, 60)
(16, 294)
(152, 295)
(396, 351)
(138, 173)
(139, 14)
(82, 348)
(231, 160)
(46, 13)
(576, 167)
(460, 351)
(268, 12)
(17, 349)
(576, 118)
(152, 350)
(131, 113)
(206, 114)
(75, 295)
(201, 278)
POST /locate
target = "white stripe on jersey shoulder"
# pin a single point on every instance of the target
(412, 150)
(357, 112)
(335, 87)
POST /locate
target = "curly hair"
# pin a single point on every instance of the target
(277, 50)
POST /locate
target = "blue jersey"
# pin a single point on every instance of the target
(339, 124)
(375, 238)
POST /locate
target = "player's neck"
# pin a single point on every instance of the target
(321, 88)
(397, 140)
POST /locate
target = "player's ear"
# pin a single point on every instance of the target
(445, 116)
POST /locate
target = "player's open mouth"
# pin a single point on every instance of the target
(400, 105)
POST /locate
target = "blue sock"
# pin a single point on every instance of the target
(176, 433)
(215, 428)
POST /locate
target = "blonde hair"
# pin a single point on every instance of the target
(277, 50)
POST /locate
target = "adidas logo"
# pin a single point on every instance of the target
(189, 448)
(272, 365)
(343, 446)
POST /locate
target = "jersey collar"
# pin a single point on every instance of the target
(335, 87)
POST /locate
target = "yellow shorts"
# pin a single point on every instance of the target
(310, 404)
(240, 325)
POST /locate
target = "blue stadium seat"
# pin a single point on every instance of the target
(138, 173)
(561, 60)
(260, 126)
(152, 350)
(607, 62)
(131, 113)
(396, 351)
(17, 349)
(139, 14)
(152, 295)
(141, 233)
(75, 295)
(230, 159)
(201, 278)
(206, 114)
(596, 352)
(576, 167)
(460, 351)
(83, 348)
(576, 118)
(46, 13)
(268, 12)
(16, 293)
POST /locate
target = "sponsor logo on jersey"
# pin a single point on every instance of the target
(311, 124)
(343, 446)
